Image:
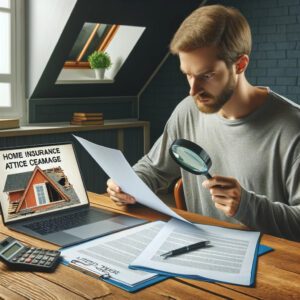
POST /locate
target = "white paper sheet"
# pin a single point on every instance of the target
(115, 165)
(113, 253)
(229, 258)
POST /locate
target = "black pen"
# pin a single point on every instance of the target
(185, 249)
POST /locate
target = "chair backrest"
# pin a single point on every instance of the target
(179, 195)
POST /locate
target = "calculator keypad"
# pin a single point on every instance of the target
(37, 256)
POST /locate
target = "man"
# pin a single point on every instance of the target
(251, 133)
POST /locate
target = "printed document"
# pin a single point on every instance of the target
(115, 165)
(228, 258)
(111, 255)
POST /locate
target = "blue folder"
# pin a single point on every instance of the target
(260, 250)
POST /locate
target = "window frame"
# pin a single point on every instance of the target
(79, 63)
(37, 193)
(17, 56)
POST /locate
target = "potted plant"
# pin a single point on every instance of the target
(99, 61)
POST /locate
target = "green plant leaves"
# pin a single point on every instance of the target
(99, 60)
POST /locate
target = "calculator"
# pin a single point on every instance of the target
(20, 257)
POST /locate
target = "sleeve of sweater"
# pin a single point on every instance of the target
(157, 169)
(281, 219)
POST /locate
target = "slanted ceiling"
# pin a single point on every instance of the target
(53, 26)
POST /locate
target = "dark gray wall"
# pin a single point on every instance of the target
(58, 32)
(61, 109)
(275, 60)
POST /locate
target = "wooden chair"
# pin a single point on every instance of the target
(179, 195)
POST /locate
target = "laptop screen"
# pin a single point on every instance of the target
(39, 179)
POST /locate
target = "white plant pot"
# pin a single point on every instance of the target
(99, 73)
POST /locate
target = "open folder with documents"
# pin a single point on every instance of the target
(229, 257)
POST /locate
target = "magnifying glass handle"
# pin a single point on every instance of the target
(208, 176)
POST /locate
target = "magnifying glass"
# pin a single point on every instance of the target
(191, 157)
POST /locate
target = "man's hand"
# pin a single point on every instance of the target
(225, 192)
(116, 194)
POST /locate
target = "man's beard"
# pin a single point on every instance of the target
(215, 103)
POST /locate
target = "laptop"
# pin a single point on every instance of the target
(42, 194)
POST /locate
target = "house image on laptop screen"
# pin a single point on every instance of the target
(38, 191)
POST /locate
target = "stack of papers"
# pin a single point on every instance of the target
(230, 256)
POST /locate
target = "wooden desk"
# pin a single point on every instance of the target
(278, 274)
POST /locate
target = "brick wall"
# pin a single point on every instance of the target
(275, 60)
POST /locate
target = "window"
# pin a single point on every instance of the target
(5, 58)
(11, 58)
(41, 194)
(117, 40)
(93, 36)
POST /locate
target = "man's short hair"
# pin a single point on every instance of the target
(214, 25)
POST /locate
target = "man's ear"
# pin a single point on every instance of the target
(242, 63)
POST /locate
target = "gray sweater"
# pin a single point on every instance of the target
(262, 151)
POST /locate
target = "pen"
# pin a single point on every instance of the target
(185, 249)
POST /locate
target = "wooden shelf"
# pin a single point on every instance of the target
(52, 128)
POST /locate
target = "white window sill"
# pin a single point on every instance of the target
(84, 81)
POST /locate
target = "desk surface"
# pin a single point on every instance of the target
(278, 272)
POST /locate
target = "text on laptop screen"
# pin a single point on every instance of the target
(38, 180)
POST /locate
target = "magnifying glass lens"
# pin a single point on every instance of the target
(190, 157)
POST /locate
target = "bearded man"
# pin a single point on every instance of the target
(251, 133)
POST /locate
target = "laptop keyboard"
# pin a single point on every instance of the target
(59, 223)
